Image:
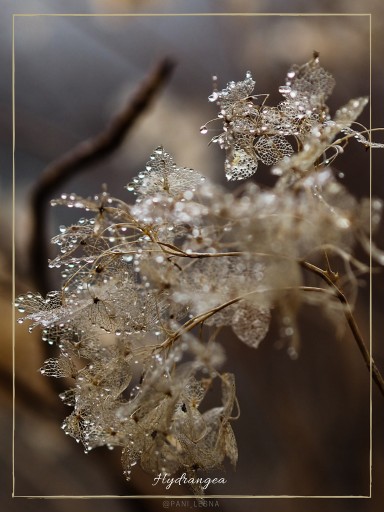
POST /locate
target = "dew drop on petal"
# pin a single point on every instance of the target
(213, 97)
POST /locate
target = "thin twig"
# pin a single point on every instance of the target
(377, 377)
(202, 317)
(79, 158)
(327, 275)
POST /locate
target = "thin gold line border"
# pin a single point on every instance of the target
(137, 15)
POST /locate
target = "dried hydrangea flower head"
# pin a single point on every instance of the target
(254, 132)
(147, 287)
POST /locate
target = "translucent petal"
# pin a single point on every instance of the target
(272, 149)
(162, 175)
(240, 165)
(251, 324)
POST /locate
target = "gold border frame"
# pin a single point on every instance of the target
(178, 497)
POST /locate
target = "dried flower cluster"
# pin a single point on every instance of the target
(147, 287)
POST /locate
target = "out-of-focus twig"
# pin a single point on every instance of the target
(78, 159)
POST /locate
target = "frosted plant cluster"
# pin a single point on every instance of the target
(147, 287)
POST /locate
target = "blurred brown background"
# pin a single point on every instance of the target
(305, 425)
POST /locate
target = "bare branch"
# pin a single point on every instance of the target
(80, 158)
(376, 375)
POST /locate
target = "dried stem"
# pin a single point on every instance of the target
(327, 275)
(329, 278)
(202, 317)
(79, 158)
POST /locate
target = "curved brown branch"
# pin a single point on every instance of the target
(376, 375)
(79, 159)
(202, 317)
(326, 275)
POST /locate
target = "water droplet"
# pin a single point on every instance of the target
(188, 195)
(343, 222)
(288, 331)
(213, 97)
(292, 352)
(203, 129)
(284, 89)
